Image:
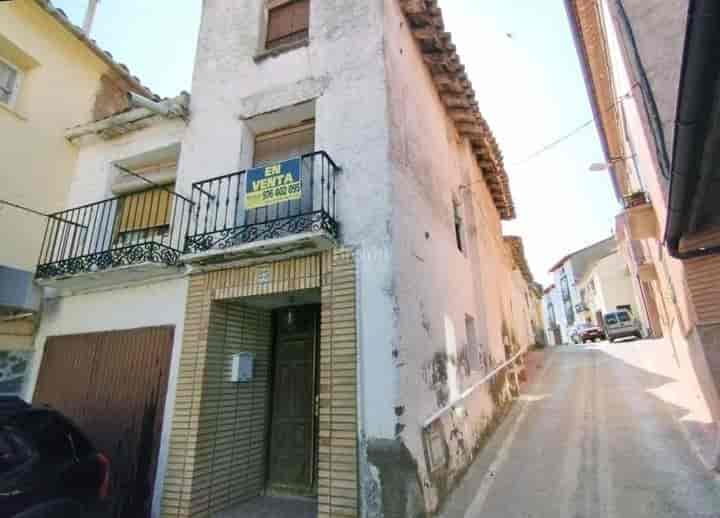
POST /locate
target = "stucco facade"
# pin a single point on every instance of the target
(424, 310)
(59, 80)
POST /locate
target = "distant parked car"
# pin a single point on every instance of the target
(48, 468)
(621, 324)
(582, 333)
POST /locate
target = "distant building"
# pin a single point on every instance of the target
(565, 295)
(551, 302)
(605, 287)
(652, 73)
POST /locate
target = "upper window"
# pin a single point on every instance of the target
(9, 82)
(287, 22)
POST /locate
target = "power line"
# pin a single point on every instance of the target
(24, 208)
(565, 137)
(147, 180)
(554, 143)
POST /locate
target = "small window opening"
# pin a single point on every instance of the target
(287, 23)
(459, 226)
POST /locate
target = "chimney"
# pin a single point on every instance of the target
(89, 16)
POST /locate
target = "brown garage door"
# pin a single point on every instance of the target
(112, 385)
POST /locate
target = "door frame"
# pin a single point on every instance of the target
(312, 487)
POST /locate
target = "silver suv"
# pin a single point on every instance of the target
(621, 324)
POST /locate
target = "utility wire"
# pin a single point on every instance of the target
(127, 171)
(22, 207)
(560, 140)
(147, 180)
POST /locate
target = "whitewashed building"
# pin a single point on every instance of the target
(293, 282)
(565, 295)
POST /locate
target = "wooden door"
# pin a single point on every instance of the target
(292, 427)
(112, 385)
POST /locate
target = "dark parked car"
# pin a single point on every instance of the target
(587, 333)
(48, 468)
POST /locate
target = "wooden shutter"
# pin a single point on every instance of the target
(287, 23)
(146, 209)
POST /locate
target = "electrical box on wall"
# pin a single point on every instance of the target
(242, 367)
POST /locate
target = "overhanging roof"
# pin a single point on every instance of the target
(517, 251)
(457, 94)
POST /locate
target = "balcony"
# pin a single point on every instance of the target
(640, 218)
(129, 237)
(282, 208)
(635, 199)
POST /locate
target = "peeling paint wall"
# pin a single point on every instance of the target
(436, 285)
(340, 73)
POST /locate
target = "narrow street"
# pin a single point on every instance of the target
(588, 439)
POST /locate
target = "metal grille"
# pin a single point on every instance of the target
(222, 220)
(130, 229)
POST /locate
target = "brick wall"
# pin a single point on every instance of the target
(200, 477)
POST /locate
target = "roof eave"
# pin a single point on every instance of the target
(457, 94)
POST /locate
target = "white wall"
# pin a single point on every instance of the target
(434, 284)
(94, 174)
(615, 284)
(342, 73)
(560, 313)
(158, 304)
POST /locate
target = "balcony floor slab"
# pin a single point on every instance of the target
(279, 248)
(111, 277)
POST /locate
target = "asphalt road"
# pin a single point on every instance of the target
(588, 440)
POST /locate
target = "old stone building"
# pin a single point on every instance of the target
(293, 282)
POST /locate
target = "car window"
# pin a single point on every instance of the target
(14, 452)
(611, 318)
(624, 317)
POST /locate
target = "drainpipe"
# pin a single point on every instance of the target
(699, 75)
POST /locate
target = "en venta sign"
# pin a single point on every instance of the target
(273, 184)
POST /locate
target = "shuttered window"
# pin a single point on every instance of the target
(146, 209)
(287, 23)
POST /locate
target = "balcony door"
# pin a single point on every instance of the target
(277, 146)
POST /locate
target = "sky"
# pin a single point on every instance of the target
(521, 59)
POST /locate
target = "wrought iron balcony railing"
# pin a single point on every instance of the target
(277, 200)
(147, 226)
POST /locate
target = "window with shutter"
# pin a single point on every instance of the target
(8, 82)
(287, 23)
(145, 210)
